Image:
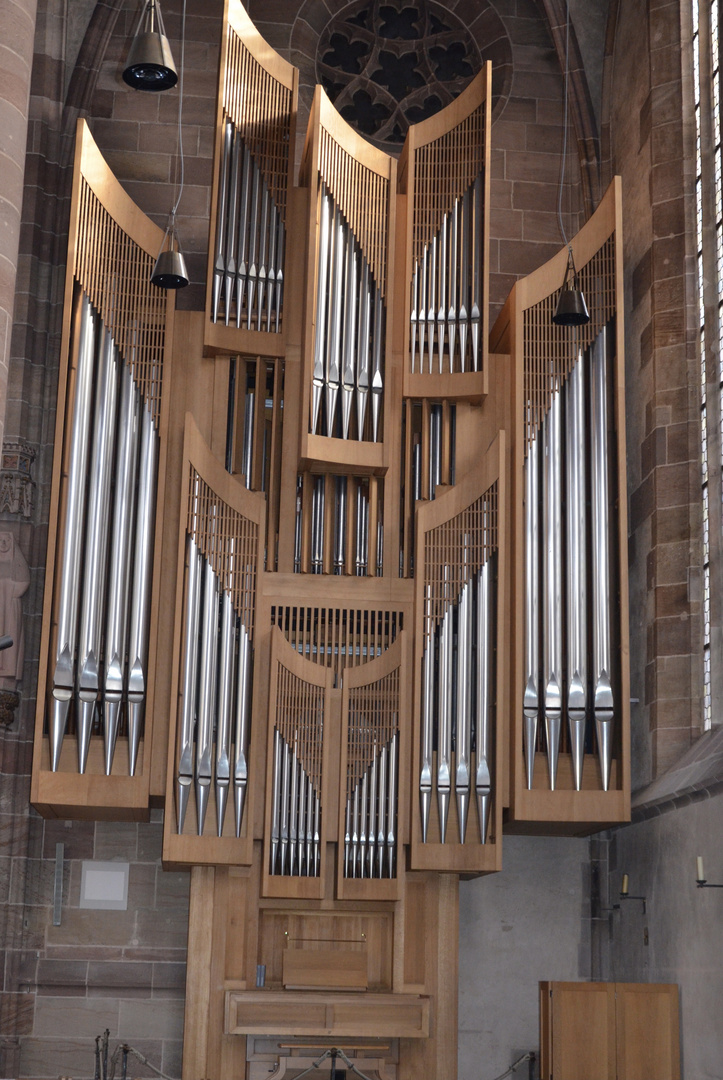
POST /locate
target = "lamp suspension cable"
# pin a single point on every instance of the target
(170, 271)
(571, 307)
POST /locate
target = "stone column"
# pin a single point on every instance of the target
(17, 32)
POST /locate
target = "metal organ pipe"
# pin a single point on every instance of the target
(586, 454)
(96, 545)
(602, 668)
(64, 673)
(119, 571)
(349, 331)
(141, 584)
(552, 565)
(576, 569)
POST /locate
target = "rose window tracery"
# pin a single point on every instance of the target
(387, 64)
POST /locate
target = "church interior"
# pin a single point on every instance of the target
(361, 539)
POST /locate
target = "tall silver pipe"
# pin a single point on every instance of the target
(252, 270)
(340, 525)
(119, 567)
(355, 830)
(271, 272)
(317, 385)
(576, 523)
(373, 798)
(486, 622)
(333, 342)
(531, 696)
(552, 644)
(242, 723)
(141, 586)
(284, 823)
(428, 670)
(432, 313)
(317, 525)
(227, 648)
(303, 814)
(206, 692)
(263, 252)
(453, 270)
(276, 802)
(248, 443)
(310, 818)
(444, 713)
(231, 237)
(382, 814)
(279, 288)
(243, 230)
(96, 544)
(190, 678)
(476, 308)
(219, 267)
(294, 809)
(392, 805)
(442, 310)
(417, 471)
(317, 835)
(462, 776)
(363, 816)
(435, 448)
(601, 598)
(464, 281)
(350, 334)
(413, 316)
(377, 378)
(422, 316)
(63, 675)
(362, 373)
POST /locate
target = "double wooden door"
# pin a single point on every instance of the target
(609, 1031)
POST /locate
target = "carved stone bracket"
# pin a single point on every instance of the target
(17, 487)
(9, 701)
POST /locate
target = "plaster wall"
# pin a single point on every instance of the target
(528, 923)
(683, 922)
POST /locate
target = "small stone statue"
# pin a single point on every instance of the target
(14, 581)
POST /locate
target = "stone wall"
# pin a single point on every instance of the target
(652, 152)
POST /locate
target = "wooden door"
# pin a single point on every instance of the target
(646, 1017)
(578, 1031)
(609, 1031)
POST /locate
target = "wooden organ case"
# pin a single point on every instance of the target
(333, 616)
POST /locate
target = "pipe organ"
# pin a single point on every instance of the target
(342, 569)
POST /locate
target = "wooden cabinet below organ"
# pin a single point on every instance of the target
(609, 1031)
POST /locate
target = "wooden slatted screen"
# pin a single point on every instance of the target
(115, 274)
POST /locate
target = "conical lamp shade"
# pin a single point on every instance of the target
(170, 270)
(149, 65)
(571, 307)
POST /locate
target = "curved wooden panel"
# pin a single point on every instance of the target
(221, 526)
(373, 790)
(117, 329)
(460, 540)
(299, 738)
(544, 356)
(358, 176)
(253, 161)
(444, 171)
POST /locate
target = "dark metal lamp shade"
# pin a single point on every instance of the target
(149, 65)
(170, 269)
(571, 307)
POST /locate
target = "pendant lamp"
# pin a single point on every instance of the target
(170, 269)
(571, 307)
(149, 65)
